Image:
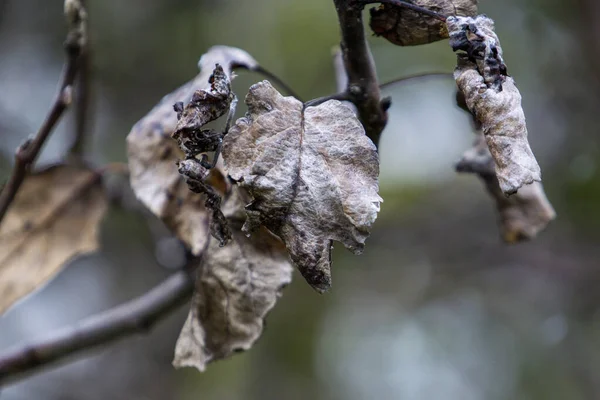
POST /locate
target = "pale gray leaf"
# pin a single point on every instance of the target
(311, 173)
(521, 216)
(493, 98)
(153, 154)
(237, 286)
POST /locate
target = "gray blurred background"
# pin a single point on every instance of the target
(436, 308)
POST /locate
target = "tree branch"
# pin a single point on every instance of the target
(27, 153)
(83, 114)
(136, 316)
(363, 89)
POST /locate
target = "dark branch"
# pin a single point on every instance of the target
(136, 316)
(410, 6)
(27, 153)
(83, 114)
(363, 89)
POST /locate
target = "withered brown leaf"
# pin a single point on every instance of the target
(405, 27)
(54, 217)
(237, 286)
(153, 155)
(493, 98)
(521, 216)
(311, 173)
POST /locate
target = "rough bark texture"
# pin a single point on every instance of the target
(405, 27)
(312, 175)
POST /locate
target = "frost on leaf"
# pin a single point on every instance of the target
(54, 217)
(237, 286)
(405, 27)
(494, 100)
(521, 216)
(153, 154)
(311, 174)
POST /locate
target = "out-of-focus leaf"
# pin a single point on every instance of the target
(153, 155)
(521, 216)
(311, 173)
(54, 217)
(493, 98)
(405, 27)
(237, 286)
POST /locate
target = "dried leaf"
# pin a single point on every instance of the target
(521, 216)
(153, 155)
(494, 100)
(205, 106)
(237, 286)
(311, 174)
(405, 27)
(54, 218)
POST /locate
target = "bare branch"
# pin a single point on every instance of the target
(363, 89)
(83, 114)
(136, 316)
(27, 153)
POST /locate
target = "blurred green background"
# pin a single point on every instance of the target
(436, 308)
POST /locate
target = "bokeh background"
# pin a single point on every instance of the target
(436, 307)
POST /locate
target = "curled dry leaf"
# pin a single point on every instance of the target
(237, 286)
(153, 154)
(311, 173)
(521, 216)
(405, 27)
(494, 100)
(54, 217)
(205, 106)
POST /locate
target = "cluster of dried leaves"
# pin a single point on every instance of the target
(292, 180)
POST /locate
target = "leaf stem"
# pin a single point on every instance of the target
(278, 81)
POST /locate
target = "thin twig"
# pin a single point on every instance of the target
(363, 89)
(386, 85)
(261, 70)
(136, 316)
(27, 153)
(320, 100)
(410, 6)
(83, 114)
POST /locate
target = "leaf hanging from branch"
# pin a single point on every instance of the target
(494, 100)
(54, 217)
(237, 286)
(405, 27)
(153, 154)
(312, 175)
(521, 216)
(205, 106)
